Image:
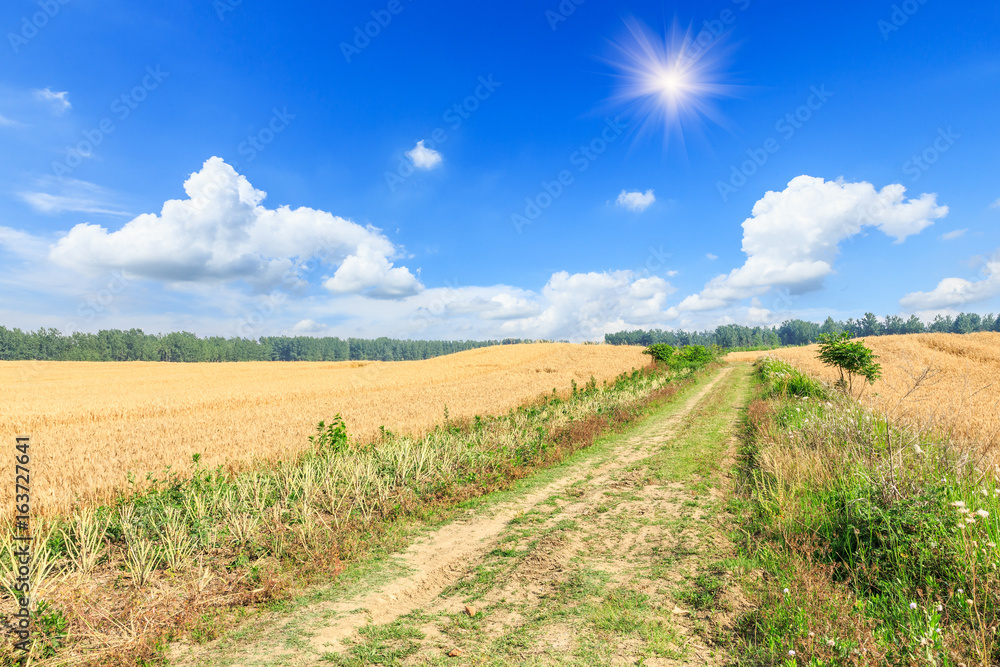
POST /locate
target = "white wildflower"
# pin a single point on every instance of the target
(913, 605)
(983, 513)
(957, 503)
(791, 653)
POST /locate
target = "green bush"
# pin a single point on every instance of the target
(691, 357)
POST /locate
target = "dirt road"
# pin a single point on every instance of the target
(616, 557)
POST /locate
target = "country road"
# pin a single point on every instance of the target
(616, 556)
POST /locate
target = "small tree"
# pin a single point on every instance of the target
(851, 358)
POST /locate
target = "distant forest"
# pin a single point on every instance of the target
(134, 345)
(799, 332)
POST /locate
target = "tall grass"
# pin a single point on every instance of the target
(880, 539)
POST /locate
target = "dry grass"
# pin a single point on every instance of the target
(958, 395)
(92, 422)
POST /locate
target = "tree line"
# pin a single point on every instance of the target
(135, 345)
(801, 332)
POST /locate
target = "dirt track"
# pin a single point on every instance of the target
(603, 510)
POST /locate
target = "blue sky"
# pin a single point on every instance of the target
(749, 167)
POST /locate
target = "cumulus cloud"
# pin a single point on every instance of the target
(59, 101)
(636, 201)
(584, 306)
(423, 157)
(368, 271)
(711, 256)
(222, 232)
(956, 292)
(951, 236)
(793, 236)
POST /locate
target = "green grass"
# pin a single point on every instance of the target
(867, 536)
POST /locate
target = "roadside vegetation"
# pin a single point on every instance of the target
(191, 554)
(877, 540)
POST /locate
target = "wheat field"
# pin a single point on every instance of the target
(960, 393)
(91, 423)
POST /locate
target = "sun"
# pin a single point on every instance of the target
(671, 82)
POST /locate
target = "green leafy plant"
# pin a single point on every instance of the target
(330, 438)
(851, 358)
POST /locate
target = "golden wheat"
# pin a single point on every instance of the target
(959, 394)
(91, 423)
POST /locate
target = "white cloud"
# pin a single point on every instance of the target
(222, 232)
(952, 235)
(956, 292)
(584, 306)
(7, 122)
(793, 236)
(711, 256)
(70, 195)
(636, 201)
(368, 271)
(995, 204)
(423, 157)
(59, 101)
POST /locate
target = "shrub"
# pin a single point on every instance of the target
(850, 357)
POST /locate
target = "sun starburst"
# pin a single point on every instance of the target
(671, 82)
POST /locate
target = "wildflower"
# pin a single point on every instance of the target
(991, 545)
(812, 634)
(982, 513)
(969, 602)
(961, 526)
(829, 642)
(963, 510)
(913, 605)
(791, 653)
(960, 591)
(969, 519)
(940, 608)
(917, 449)
(785, 591)
(957, 503)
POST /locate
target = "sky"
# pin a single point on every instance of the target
(454, 170)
